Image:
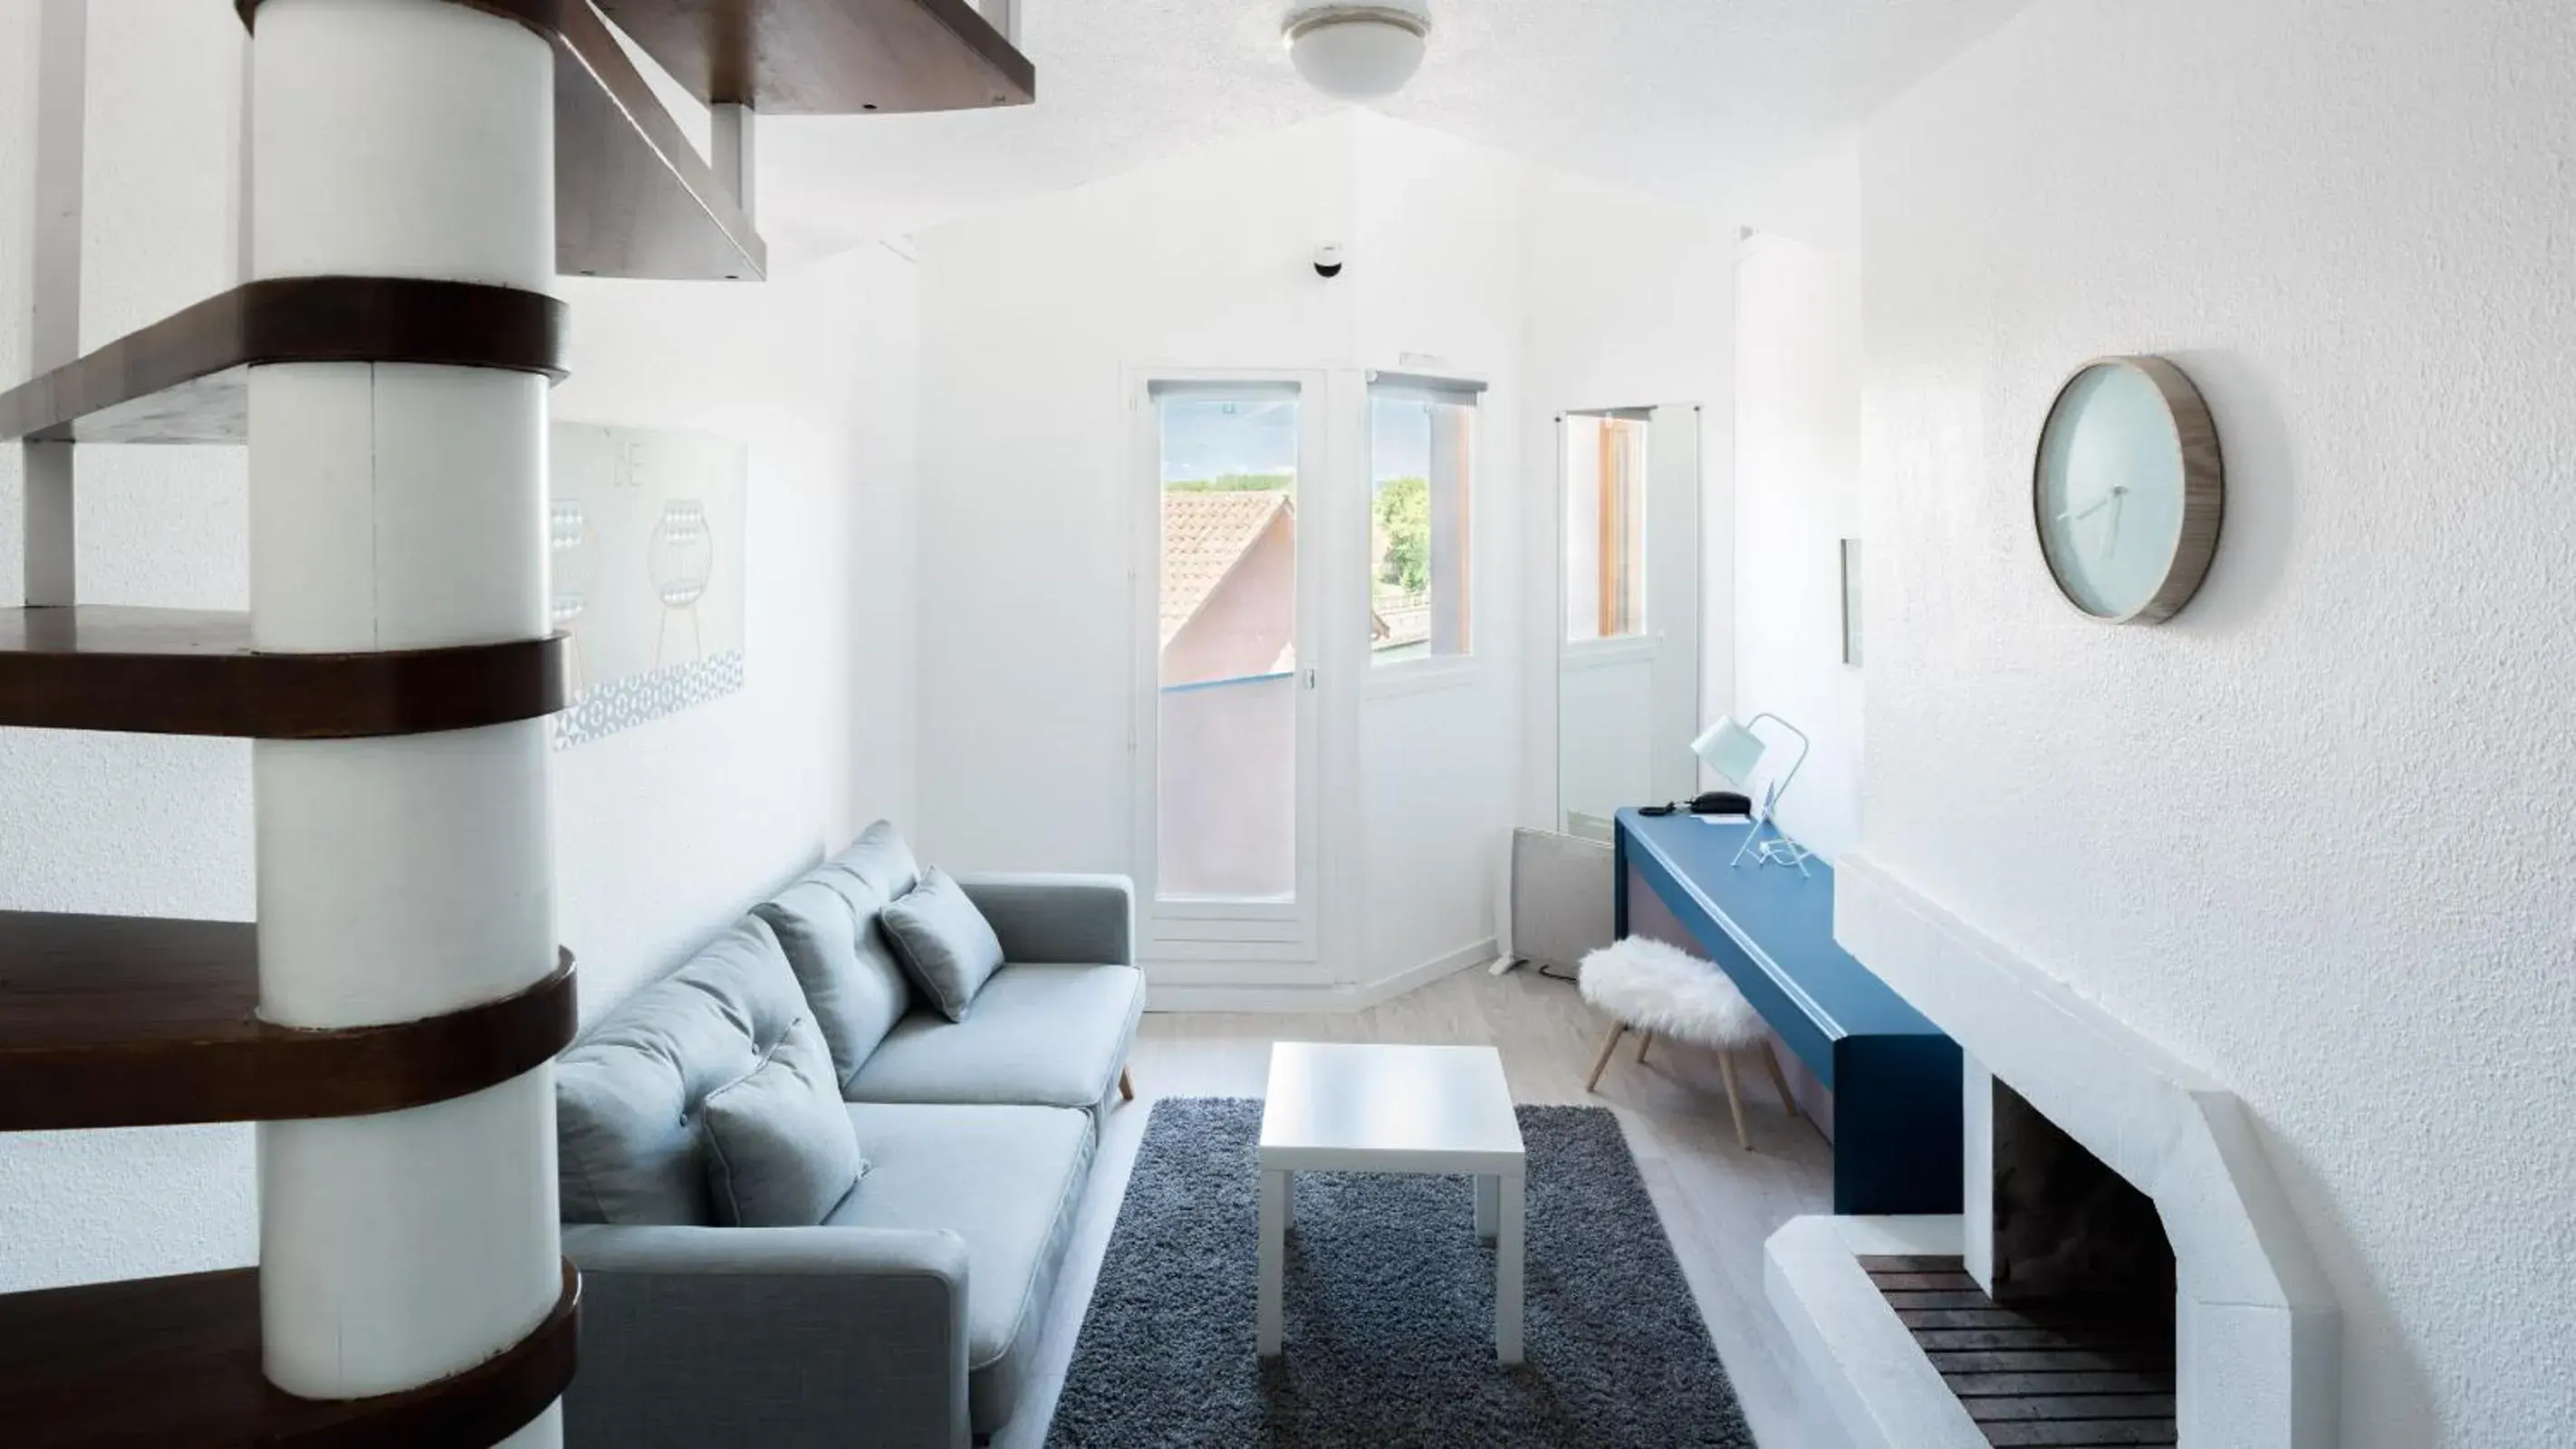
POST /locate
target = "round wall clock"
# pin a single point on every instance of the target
(2128, 490)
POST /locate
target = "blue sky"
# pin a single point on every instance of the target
(1209, 437)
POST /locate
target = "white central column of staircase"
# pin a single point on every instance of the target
(399, 506)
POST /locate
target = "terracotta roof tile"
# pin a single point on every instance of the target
(1203, 534)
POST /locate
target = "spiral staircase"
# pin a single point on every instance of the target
(419, 171)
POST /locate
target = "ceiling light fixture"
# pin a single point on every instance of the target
(1357, 52)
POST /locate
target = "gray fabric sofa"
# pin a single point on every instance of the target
(908, 1317)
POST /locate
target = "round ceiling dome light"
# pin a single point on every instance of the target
(1357, 52)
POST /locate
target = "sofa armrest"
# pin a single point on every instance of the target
(781, 1337)
(1087, 920)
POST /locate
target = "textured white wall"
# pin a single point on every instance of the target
(1815, 198)
(2315, 834)
(130, 823)
(664, 832)
(1797, 496)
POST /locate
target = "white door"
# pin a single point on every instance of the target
(1228, 629)
(1628, 650)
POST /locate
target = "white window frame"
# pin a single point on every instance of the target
(1435, 671)
(1238, 931)
(1645, 563)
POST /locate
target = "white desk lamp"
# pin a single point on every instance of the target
(1734, 753)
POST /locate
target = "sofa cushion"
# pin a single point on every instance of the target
(1044, 1035)
(946, 945)
(881, 858)
(1007, 1182)
(627, 1095)
(779, 1149)
(827, 925)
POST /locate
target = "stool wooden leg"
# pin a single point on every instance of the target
(1771, 1059)
(1645, 1039)
(1593, 1082)
(1734, 1099)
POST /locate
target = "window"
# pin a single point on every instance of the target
(1422, 463)
(1605, 525)
(1227, 717)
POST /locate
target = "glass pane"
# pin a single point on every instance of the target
(1605, 527)
(1421, 472)
(1226, 721)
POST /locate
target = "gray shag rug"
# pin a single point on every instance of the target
(1390, 1306)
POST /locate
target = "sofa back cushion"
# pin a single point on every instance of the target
(880, 858)
(627, 1095)
(827, 923)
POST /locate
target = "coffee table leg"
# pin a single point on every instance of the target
(1507, 1268)
(1489, 1196)
(1268, 1314)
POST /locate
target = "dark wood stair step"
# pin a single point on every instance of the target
(632, 197)
(127, 1021)
(831, 57)
(194, 672)
(185, 378)
(162, 1362)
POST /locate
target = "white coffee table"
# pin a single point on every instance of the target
(1336, 1107)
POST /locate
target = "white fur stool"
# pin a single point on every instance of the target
(1664, 990)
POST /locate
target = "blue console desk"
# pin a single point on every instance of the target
(1894, 1077)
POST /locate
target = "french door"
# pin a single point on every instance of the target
(1231, 506)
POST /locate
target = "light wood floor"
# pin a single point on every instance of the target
(1717, 1201)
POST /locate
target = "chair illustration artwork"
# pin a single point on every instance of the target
(569, 565)
(681, 560)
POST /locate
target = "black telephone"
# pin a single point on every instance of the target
(1715, 802)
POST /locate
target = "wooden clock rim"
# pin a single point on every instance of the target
(2204, 487)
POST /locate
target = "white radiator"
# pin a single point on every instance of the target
(1561, 897)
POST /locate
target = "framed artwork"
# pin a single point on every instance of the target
(1851, 602)
(644, 531)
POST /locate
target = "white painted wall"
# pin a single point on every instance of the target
(1629, 303)
(664, 832)
(1814, 197)
(1461, 262)
(1438, 234)
(1032, 317)
(1029, 313)
(2314, 835)
(1797, 496)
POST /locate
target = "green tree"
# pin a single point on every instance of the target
(1233, 483)
(1404, 522)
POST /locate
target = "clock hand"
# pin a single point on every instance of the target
(2088, 510)
(2111, 544)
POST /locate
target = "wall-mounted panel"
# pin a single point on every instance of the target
(645, 535)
